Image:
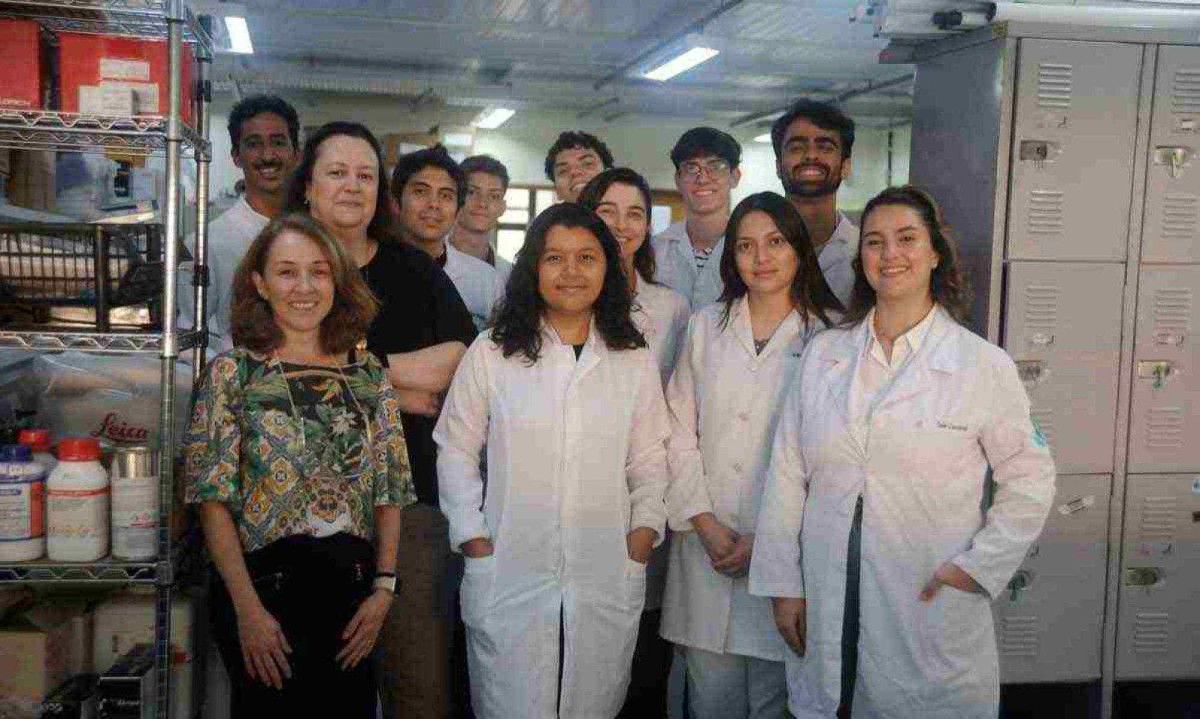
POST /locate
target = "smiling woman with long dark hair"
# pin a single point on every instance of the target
(567, 400)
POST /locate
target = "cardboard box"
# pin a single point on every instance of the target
(105, 75)
(23, 75)
(36, 649)
(31, 180)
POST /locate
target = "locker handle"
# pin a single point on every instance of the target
(1174, 339)
(1038, 151)
(1175, 158)
(1022, 580)
(1032, 372)
(1143, 576)
(1158, 370)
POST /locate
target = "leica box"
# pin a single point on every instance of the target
(104, 75)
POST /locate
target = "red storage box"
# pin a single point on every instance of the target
(22, 70)
(106, 75)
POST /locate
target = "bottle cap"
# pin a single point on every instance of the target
(36, 439)
(15, 453)
(78, 449)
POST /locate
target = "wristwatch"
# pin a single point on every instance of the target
(385, 580)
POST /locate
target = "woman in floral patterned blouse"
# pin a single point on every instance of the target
(296, 457)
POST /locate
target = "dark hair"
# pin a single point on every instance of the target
(487, 165)
(701, 141)
(810, 292)
(948, 284)
(254, 105)
(517, 321)
(382, 225)
(593, 194)
(821, 114)
(436, 156)
(575, 139)
(251, 319)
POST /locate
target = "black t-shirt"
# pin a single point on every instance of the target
(419, 308)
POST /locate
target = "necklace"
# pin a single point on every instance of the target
(300, 419)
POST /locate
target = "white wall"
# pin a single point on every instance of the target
(641, 143)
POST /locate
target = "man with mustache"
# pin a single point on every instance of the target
(428, 191)
(812, 142)
(573, 159)
(264, 138)
(689, 252)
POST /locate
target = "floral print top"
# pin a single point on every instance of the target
(288, 449)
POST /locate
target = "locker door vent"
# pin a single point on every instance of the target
(1172, 311)
(1043, 419)
(1150, 632)
(1179, 215)
(1164, 428)
(1054, 85)
(1045, 212)
(1019, 636)
(1157, 520)
(1185, 91)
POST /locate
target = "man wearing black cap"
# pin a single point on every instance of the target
(689, 252)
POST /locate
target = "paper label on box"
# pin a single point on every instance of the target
(113, 69)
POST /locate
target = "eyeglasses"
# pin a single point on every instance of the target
(714, 168)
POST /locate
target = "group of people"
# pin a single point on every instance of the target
(760, 446)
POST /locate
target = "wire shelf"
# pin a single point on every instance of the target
(133, 18)
(139, 135)
(119, 342)
(110, 571)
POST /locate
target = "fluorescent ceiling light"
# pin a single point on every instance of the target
(681, 63)
(239, 35)
(765, 137)
(493, 118)
(457, 139)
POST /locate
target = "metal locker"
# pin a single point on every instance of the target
(1158, 621)
(1072, 155)
(1172, 216)
(1164, 430)
(1049, 620)
(1063, 329)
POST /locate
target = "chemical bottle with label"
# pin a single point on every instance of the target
(77, 506)
(134, 476)
(22, 505)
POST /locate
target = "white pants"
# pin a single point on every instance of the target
(732, 686)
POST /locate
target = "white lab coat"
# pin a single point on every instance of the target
(662, 315)
(836, 257)
(476, 281)
(576, 456)
(725, 400)
(676, 266)
(955, 409)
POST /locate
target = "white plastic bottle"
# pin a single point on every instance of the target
(38, 441)
(22, 505)
(77, 509)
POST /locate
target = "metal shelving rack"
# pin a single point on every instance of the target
(139, 135)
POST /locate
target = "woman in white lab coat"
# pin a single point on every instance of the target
(738, 359)
(622, 199)
(569, 404)
(879, 469)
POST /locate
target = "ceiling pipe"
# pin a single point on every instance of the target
(694, 26)
(870, 87)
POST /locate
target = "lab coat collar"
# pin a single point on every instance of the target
(594, 348)
(940, 352)
(739, 319)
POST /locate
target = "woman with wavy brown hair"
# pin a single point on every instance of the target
(906, 483)
(296, 458)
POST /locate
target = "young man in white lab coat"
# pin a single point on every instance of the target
(688, 252)
(428, 191)
(264, 137)
(474, 233)
(573, 160)
(812, 143)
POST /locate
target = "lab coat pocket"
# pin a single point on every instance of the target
(635, 580)
(475, 597)
(957, 625)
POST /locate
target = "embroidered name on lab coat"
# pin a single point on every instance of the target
(950, 425)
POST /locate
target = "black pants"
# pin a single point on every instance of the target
(647, 695)
(312, 587)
